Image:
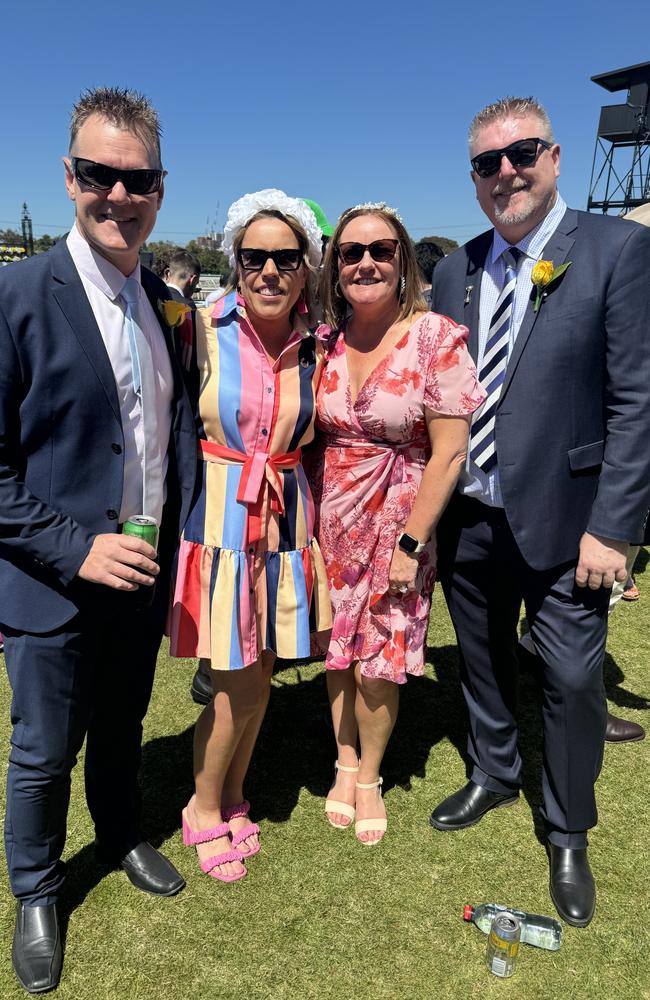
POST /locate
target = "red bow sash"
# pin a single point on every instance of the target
(260, 471)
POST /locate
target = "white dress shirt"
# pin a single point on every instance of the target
(474, 482)
(103, 284)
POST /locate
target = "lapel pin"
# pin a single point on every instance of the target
(468, 294)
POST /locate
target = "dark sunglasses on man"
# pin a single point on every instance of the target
(252, 259)
(521, 153)
(380, 251)
(101, 177)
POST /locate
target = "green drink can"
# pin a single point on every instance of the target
(141, 526)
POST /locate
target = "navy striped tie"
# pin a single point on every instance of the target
(483, 448)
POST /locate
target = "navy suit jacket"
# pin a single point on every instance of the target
(573, 419)
(173, 293)
(61, 441)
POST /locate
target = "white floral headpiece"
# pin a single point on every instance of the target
(241, 211)
(374, 205)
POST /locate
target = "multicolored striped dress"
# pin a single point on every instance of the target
(250, 575)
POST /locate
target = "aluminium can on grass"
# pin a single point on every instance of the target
(503, 945)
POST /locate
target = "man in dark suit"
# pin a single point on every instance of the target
(76, 413)
(182, 276)
(557, 479)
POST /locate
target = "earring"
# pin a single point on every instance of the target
(337, 289)
(402, 287)
(301, 305)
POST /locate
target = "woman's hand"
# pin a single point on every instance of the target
(402, 572)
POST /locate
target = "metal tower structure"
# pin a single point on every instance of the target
(28, 237)
(620, 174)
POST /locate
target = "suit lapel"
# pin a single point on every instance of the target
(151, 290)
(472, 293)
(72, 300)
(557, 249)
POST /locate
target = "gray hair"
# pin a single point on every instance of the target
(125, 109)
(512, 107)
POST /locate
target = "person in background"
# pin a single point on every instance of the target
(557, 480)
(393, 410)
(427, 254)
(250, 581)
(182, 276)
(91, 394)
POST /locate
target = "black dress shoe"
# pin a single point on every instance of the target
(466, 807)
(622, 731)
(572, 885)
(36, 952)
(146, 868)
(201, 688)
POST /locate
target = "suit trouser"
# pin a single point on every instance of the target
(91, 677)
(485, 579)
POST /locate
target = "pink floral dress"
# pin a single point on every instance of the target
(375, 451)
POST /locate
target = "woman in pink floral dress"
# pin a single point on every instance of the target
(393, 407)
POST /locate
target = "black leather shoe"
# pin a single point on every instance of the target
(146, 868)
(36, 952)
(572, 885)
(201, 688)
(622, 731)
(466, 807)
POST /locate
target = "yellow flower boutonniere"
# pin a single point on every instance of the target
(542, 275)
(173, 312)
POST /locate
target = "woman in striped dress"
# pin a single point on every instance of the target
(250, 582)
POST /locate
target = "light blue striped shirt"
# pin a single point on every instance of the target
(474, 482)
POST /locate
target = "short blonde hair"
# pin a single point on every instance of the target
(334, 304)
(511, 107)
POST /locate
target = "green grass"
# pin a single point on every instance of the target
(319, 915)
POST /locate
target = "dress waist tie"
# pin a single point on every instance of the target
(260, 471)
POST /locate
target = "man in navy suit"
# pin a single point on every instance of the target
(80, 643)
(557, 478)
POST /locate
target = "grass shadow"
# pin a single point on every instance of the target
(620, 696)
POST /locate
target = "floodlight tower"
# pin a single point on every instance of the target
(28, 236)
(620, 174)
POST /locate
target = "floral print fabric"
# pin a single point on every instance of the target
(374, 454)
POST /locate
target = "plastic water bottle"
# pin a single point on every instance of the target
(542, 932)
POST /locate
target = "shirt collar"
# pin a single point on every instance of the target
(233, 302)
(95, 268)
(533, 243)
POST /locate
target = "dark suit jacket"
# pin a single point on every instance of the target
(61, 441)
(573, 419)
(173, 293)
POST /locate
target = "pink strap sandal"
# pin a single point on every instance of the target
(191, 838)
(234, 812)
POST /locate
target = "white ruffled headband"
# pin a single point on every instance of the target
(242, 210)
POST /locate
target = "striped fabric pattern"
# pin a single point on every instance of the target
(492, 372)
(234, 596)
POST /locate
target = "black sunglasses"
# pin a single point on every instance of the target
(522, 153)
(379, 250)
(254, 260)
(104, 178)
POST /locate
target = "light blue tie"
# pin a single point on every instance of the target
(482, 438)
(144, 386)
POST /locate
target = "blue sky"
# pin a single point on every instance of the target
(343, 102)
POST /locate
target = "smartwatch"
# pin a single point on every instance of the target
(409, 544)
